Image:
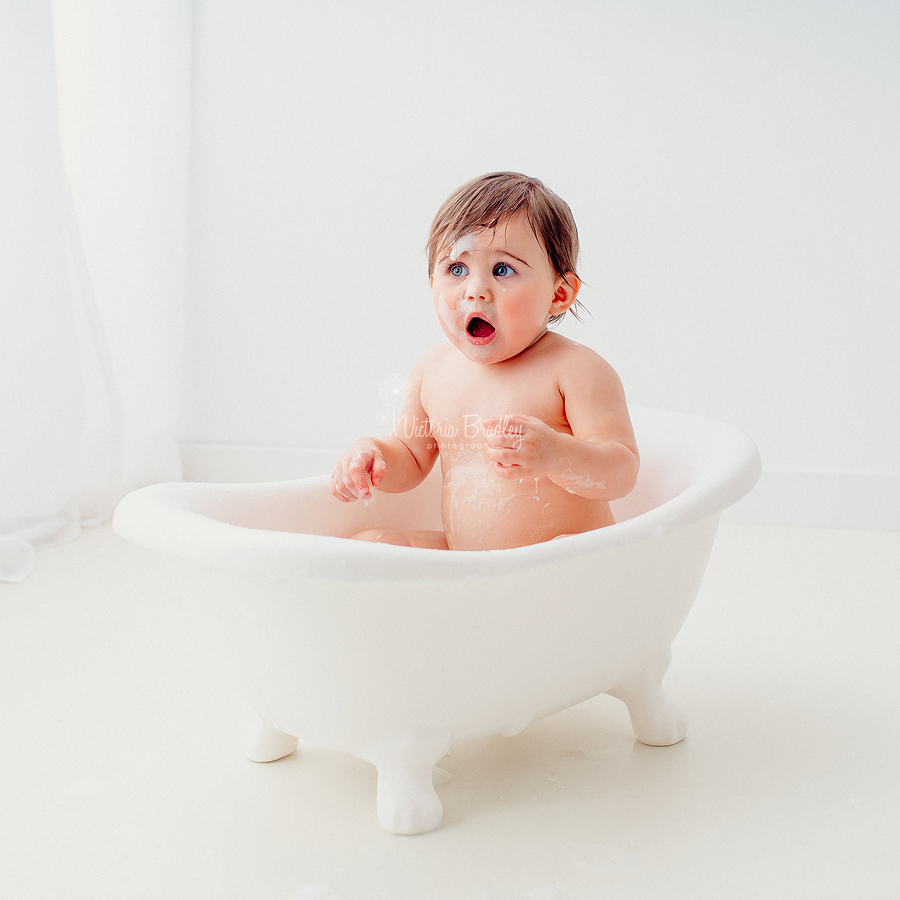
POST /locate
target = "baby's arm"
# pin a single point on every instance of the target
(599, 460)
(393, 464)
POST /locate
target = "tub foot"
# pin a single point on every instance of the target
(407, 803)
(656, 720)
(407, 775)
(266, 743)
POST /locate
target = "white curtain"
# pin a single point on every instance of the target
(94, 134)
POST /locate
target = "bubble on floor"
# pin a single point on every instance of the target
(608, 859)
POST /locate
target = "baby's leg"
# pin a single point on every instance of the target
(427, 540)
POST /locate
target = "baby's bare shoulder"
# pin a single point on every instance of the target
(574, 358)
(436, 354)
(430, 360)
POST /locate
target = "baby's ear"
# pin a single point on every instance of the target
(567, 289)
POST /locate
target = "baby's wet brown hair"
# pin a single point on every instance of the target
(487, 200)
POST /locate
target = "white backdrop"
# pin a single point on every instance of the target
(732, 168)
(253, 185)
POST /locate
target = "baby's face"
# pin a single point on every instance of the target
(494, 291)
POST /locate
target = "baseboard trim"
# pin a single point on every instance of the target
(859, 500)
(244, 463)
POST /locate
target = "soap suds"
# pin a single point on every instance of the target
(455, 317)
(583, 481)
(358, 456)
(463, 244)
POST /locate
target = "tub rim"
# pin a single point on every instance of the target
(154, 517)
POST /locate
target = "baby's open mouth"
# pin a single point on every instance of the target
(480, 329)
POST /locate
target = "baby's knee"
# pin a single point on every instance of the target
(372, 534)
(429, 540)
(380, 536)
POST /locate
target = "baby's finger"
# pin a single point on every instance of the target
(357, 472)
(509, 441)
(519, 423)
(338, 486)
(502, 437)
(378, 468)
(497, 427)
(504, 456)
(508, 472)
(341, 484)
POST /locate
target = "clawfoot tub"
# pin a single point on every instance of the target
(395, 654)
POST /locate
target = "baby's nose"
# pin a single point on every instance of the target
(477, 288)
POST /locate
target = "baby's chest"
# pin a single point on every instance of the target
(457, 411)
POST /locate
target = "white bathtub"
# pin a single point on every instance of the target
(395, 654)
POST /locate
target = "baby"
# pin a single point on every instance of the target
(531, 428)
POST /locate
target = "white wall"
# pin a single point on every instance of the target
(732, 168)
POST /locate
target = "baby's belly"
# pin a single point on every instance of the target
(482, 511)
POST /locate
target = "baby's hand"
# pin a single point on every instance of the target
(355, 470)
(521, 446)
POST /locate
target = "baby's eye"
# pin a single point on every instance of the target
(502, 270)
(457, 270)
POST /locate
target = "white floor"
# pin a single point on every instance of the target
(121, 769)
